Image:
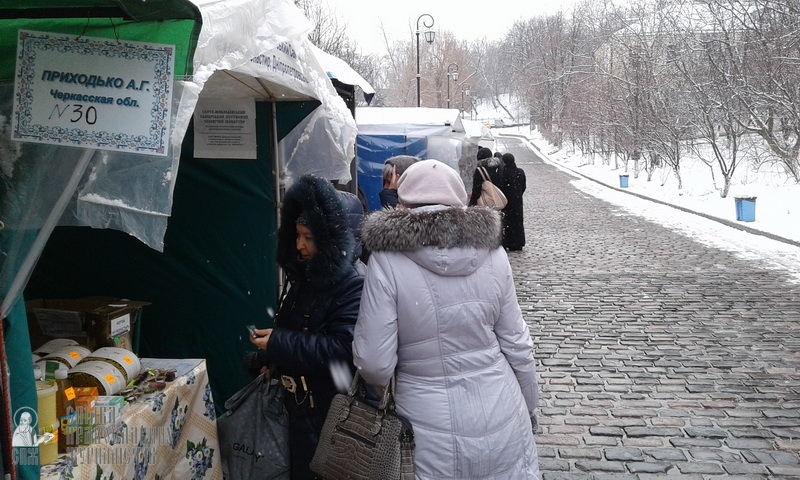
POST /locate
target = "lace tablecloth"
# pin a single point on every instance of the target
(169, 434)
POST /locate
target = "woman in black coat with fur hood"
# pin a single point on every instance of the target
(314, 325)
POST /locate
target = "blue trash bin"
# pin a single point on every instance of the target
(746, 209)
(623, 181)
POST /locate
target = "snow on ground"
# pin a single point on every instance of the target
(777, 203)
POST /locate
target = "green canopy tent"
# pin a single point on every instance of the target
(192, 236)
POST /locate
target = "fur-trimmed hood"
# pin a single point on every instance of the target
(490, 162)
(404, 229)
(318, 201)
(448, 241)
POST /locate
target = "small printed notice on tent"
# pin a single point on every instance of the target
(59, 323)
(100, 93)
(225, 128)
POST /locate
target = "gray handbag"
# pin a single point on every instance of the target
(254, 433)
(361, 442)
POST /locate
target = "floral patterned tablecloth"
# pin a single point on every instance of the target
(170, 434)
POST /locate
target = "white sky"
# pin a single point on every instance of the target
(490, 20)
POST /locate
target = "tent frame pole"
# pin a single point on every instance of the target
(277, 162)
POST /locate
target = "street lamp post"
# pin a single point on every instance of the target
(429, 35)
(464, 88)
(455, 79)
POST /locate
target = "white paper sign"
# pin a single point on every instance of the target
(225, 128)
(121, 325)
(93, 92)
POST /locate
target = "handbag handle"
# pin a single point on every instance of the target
(387, 400)
(236, 399)
(484, 173)
(386, 403)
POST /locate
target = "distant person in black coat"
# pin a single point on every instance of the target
(316, 318)
(492, 165)
(513, 186)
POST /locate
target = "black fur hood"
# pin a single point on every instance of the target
(403, 229)
(318, 200)
(489, 162)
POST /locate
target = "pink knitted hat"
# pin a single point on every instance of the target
(431, 182)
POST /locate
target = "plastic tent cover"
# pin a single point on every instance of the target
(40, 182)
(133, 193)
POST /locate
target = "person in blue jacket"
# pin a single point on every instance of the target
(314, 326)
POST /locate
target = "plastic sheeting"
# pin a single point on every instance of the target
(46, 185)
(133, 193)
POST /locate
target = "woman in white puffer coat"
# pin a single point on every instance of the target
(439, 310)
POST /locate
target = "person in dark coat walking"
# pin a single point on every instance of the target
(316, 318)
(493, 167)
(513, 186)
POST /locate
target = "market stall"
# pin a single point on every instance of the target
(188, 230)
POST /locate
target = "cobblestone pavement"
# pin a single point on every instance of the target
(658, 357)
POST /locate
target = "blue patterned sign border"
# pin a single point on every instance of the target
(160, 56)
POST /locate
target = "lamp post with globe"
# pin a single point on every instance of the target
(429, 36)
(464, 89)
(455, 79)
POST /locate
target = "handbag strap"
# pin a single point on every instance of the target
(484, 173)
(387, 400)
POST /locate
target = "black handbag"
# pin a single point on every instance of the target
(361, 442)
(254, 433)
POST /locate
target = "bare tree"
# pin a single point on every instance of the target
(716, 116)
(330, 32)
(759, 61)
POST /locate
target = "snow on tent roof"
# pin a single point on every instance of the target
(337, 68)
(419, 121)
